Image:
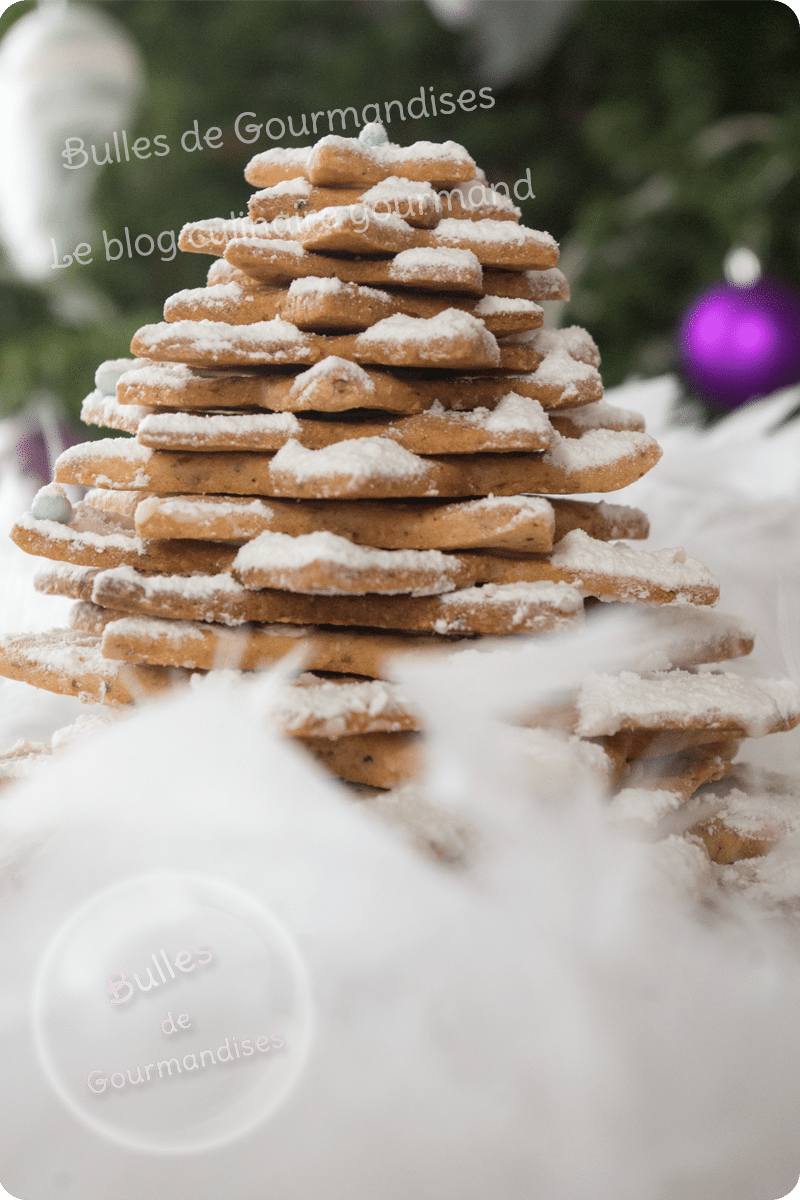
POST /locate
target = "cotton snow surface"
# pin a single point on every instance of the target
(563, 987)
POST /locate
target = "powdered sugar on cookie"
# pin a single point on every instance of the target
(668, 569)
(359, 460)
(342, 567)
(681, 700)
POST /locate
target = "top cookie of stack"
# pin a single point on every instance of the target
(342, 445)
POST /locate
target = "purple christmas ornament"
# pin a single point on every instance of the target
(41, 441)
(738, 342)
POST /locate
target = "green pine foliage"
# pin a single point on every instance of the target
(690, 128)
(658, 134)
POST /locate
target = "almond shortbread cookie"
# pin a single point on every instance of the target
(517, 523)
(311, 706)
(205, 646)
(547, 284)
(747, 817)
(338, 385)
(682, 774)
(417, 202)
(515, 423)
(358, 230)
(86, 617)
(60, 579)
(330, 306)
(279, 261)
(727, 703)
(325, 564)
(113, 544)
(364, 468)
(69, 662)
(379, 760)
(344, 162)
(493, 609)
(452, 338)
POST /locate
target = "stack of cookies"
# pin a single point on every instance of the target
(359, 442)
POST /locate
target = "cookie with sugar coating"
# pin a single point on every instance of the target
(417, 202)
(378, 760)
(516, 523)
(69, 662)
(62, 579)
(494, 609)
(312, 706)
(682, 774)
(331, 306)
(452, 339)
(512, 523)
(336, 161)
(356, 229)
(88, 542)
(753, 812)
(678, 700)
(85, 617)
(601, 460)
(332, 385)
(336, 385)
(516, 423)
(322, 563)
(547, 284)
(437, 270)
(206, 646)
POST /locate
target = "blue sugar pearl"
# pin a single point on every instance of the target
(107, 374)
(374, 135)
(52, 507)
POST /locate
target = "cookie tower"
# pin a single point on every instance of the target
(358, 442)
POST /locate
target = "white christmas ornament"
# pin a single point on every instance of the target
(66, 71)
(454, 12)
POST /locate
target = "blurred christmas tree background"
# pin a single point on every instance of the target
(659, 134)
